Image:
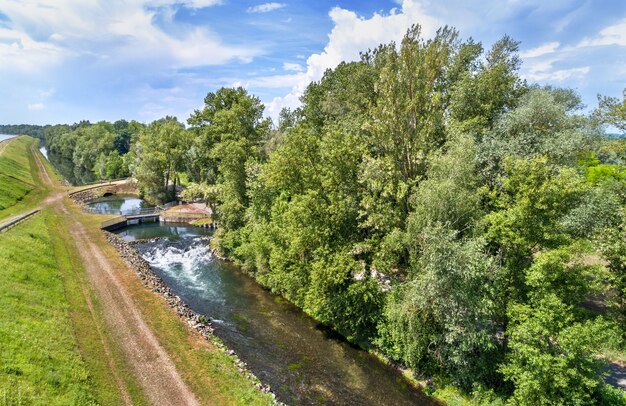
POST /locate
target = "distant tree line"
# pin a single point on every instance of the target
(101, 148)
(36, 131)
(424, 201)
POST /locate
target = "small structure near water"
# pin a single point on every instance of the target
(194, 213)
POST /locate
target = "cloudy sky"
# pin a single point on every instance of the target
(68, 60)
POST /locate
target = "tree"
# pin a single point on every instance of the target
(526, 216)
(611, 111)
(551, 359)
(408, 121)
(159, 154)
(484, 89)
(613, 249)
(442, 318)
(542, 124)
(229, 132)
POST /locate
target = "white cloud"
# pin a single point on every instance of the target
(194, 4)
(266, 7)
(114, 30)
(201, 3)
(19, 51)
(270, 82)
(545, 73)
(612, 35)
(541, 50)
(351, 35)
(294, 67)
(36, 107)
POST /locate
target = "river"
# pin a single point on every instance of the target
(303, 362)
(74, 175)
(6, 137)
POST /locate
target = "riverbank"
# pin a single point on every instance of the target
(21, 189)
(198, 322)
(129, 347)
(39, 368)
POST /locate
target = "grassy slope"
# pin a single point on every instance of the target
(39, 358)
(20, 185)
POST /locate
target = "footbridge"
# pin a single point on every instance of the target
(150, 215)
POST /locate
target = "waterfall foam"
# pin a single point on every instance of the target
(183, 260)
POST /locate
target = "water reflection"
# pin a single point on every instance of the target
(172, 231)
(118, 204)
(74, 175)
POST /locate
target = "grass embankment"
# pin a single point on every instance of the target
(210, 373)
(39, 358)
(20, 186)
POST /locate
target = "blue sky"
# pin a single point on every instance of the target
(68, 60)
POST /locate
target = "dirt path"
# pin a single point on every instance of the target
(152, 366)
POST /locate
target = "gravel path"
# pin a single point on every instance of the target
(153, 368)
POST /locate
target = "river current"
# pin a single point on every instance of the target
(303, 362)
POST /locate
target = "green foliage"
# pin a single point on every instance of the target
(551, 358)
(99, 148)
(613, 248)
(557, 272)
(425, 199)
(442, 318)
(228, 135)
(35, 131)
(534, 196)
(159, 155)
(541, 125)
(611, 111)
(451, 194)
(39, 358)
(485, 89)
(16, 179)
(334, 297)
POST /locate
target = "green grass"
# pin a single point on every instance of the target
(90, 330)
(39, 358)
(20, 185)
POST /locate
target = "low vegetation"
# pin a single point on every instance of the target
(20, 186)
(39, 358)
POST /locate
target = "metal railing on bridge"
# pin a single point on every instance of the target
(128, 212)
(108, 223)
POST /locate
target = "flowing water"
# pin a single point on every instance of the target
(304, 363)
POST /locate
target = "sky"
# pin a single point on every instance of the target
(62, 61)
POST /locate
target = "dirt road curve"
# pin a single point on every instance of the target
(151, 364)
